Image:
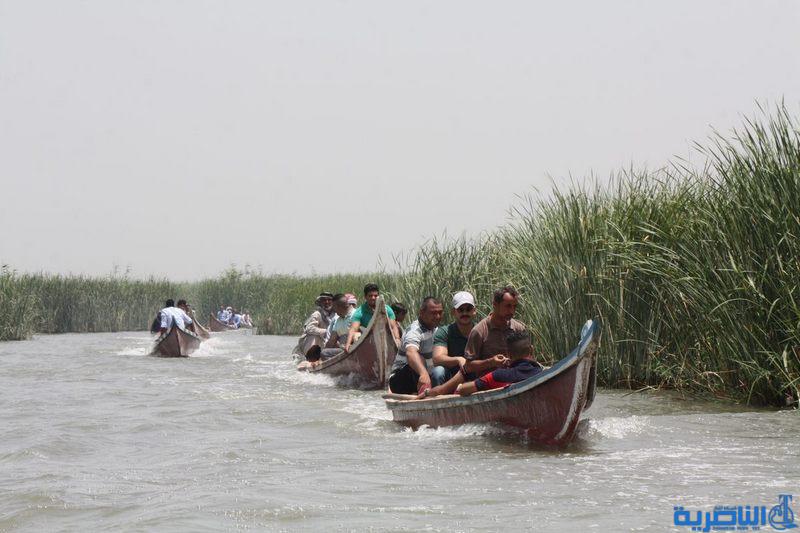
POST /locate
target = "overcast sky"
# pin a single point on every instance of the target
(178, 137)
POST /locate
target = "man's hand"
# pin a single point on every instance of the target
(424, 383)
(461, 361)
(499, 360)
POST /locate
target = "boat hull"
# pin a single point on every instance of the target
(217, 326)
(547, 406)
(201, 331)
(176, 343)
(369, 360)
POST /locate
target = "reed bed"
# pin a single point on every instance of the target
(46, 303)
(18, 307)
(60, 304)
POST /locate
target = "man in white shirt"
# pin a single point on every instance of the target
(177, 315)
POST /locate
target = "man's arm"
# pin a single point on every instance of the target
(311, 327)
(472, 353)
(395, 330)
(330, 335)
(166, 318)
(354, 327)
(415, 361)
(443, 358)
(485, 365)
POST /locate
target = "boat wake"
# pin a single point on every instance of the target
(211, 348)
(615, 427)
(142, 347)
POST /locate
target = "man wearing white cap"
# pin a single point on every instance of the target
(449, 342)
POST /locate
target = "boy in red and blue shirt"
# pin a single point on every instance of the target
(518, 366)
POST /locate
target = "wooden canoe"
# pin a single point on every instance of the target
(547, 406)
(216, 325)
(370, 358)
(176, 342)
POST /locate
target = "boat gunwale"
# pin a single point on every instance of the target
(589, 339)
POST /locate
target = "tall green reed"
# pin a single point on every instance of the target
(693, 271)
(18, 307)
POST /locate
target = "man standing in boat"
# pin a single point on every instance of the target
(450, 342)
(411, 368)
(487, 340)
(362, 316)
(313, 338)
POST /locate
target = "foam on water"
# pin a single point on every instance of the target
(317, 380)
(135, 350)
(214, 346)
(616, 427)
(466, 431)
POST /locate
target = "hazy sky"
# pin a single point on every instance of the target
(178, 137)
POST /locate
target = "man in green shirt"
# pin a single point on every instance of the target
(449, 342)
(362, 316)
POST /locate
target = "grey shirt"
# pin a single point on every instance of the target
(421, 338)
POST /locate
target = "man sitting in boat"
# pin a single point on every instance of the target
(362, 316)
(235, 320)
(247, 321)
(400, 313)
(488, 338)
(519, 366)
(450, 342)
(225, 315)
(336, 335)
(175, 315)
(411, 368)
(312, 340)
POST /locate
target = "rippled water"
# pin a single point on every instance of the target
(95, 435)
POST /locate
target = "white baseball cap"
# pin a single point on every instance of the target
(461, 298)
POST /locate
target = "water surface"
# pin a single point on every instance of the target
(97, 436)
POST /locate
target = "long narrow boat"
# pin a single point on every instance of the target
(547, 406)
(176, 342)
(217, 326)
(369, 360)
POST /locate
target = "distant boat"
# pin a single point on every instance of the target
(547, 406)
(176, 342)
(370, 358)
(216, 325)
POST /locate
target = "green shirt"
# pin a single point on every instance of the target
(450, 336)
(364, 314)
